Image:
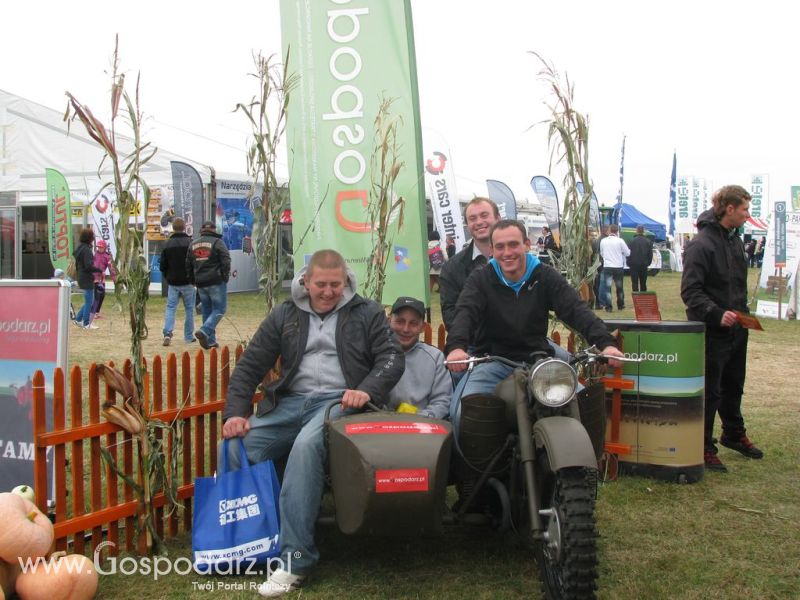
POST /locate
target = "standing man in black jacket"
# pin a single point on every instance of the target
(209, 264)
(640, 258)
(713, 288)
(480, 215)
(173, 268)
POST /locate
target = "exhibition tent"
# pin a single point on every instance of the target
(630, 216)
(35, 138)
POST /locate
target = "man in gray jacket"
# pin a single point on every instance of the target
(426, 384)
(333, 345)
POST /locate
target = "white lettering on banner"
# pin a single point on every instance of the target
(356, 63)
(19, 326)
(347, 103)
(353, 137)
(17, 450)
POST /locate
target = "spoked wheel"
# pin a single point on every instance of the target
(567, 556)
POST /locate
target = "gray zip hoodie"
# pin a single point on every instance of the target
(319, 370)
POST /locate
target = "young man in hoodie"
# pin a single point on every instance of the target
(173, 268)
(512, 297)
(209, 265)
(333, 345)
(713, 288)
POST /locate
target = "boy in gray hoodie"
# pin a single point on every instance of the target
(426, 384)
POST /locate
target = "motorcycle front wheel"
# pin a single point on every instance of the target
(567, 556)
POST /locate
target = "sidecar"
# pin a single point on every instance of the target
(389, 472)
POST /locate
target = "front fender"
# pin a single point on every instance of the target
(566, 442)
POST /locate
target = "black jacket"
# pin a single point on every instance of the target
(370, 357)
(84, 264)
(173, 259)
(208, 261)
(516, 325)
(714, 274)
(452, 279)
(641, 252)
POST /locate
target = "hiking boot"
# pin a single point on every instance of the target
(202, 338)
(167, 340)
(713, 463)
(742, 444)
(280, 582)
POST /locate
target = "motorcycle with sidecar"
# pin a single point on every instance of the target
(524, 459)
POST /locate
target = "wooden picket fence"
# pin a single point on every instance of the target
(192, 400)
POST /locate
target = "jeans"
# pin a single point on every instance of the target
(617, 275)
(99, 296)
(726, 366)
(601, 295)
(294, 427)
(214, 303)
(86, 309)
(174, 293)
(639, 278)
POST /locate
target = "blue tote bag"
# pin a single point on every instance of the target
(235, 515)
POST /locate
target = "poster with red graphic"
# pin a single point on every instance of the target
(33, 336)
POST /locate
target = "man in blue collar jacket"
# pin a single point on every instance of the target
(511, 299)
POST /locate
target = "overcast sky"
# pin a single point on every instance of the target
(716, 81)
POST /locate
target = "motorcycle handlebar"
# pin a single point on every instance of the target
(585, 356)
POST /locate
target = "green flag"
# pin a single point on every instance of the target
(347, 59)
(59, 219)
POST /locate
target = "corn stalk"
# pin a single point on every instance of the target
(133, 276)
(568, 139)
(267, 113)
(384, 206)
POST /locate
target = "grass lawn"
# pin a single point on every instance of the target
(733, 535)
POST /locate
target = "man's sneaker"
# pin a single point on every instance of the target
(280, 582)
(167, 340)
(742, 444)
(92, 326)
(713, 463)
(202, 338)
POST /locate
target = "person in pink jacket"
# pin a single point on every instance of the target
(103, 261)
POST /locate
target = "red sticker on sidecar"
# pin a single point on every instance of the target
(389, 481)
(394, 427)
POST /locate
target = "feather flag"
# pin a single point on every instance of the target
(672, 192)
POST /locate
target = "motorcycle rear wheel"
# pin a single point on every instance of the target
(567, 558)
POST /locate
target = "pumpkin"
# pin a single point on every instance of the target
(65, 577)
(8, 575)
(25, 491)
(26, 532)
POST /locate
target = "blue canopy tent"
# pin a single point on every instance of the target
(628, 215)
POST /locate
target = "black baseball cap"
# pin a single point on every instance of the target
(409, 302)
(209, 225)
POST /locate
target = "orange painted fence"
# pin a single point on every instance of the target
(92, 503)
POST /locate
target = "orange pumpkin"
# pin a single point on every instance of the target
(70, 577)
(26, 532)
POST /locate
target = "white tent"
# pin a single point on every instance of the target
(34, 138)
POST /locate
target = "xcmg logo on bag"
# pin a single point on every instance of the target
(238, 509)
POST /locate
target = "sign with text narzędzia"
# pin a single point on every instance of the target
(780, 234)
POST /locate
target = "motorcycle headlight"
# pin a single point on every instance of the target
(553, 382)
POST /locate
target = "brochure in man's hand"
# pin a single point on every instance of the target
(748, 321)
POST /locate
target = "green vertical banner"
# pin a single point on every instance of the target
(349, 54)
(59, 219)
